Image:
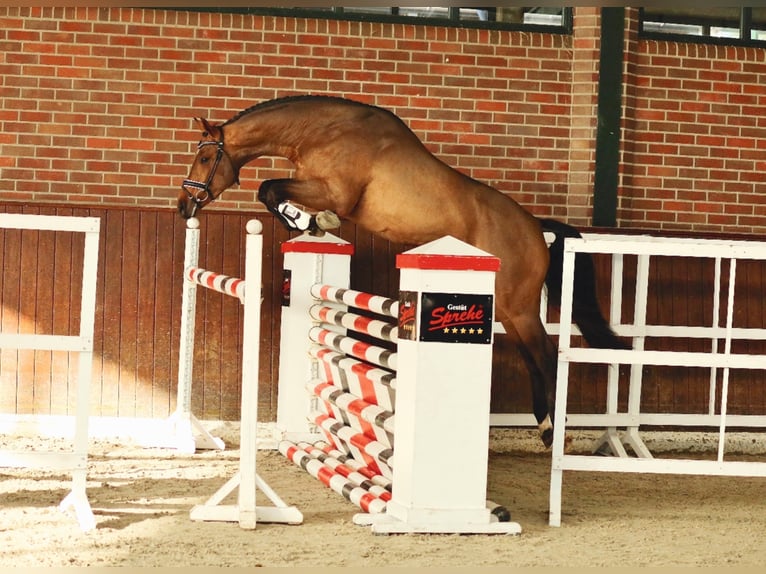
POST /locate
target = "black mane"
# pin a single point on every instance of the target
(288, 100)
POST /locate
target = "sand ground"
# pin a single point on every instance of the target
(142, 497)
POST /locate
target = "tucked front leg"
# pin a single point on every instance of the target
(276, 193)
(313, 193)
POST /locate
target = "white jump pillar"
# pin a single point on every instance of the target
(185, 432)
(307, 260)
(446, 306)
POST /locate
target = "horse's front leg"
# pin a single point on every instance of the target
(275, 194)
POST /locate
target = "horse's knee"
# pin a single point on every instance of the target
(269, 195)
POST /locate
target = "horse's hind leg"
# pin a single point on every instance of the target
(539, 355)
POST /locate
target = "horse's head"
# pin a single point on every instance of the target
(211, 173)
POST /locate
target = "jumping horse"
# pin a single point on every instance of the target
(364, 164)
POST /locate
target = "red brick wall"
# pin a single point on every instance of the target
(698, 139)
(97, 102)
(96, 107)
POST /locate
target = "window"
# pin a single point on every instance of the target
(548, 19)
(719, 25)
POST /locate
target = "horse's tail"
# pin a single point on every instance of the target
(586, 312)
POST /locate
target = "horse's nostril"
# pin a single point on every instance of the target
(182, 210)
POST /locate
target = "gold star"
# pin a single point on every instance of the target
(479, 331)
(446, 330)
(462, 331)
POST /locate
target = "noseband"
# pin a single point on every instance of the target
(191, 186)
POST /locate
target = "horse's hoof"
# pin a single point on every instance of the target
(547, 437)
(327, 220)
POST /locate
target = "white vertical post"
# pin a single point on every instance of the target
(77, 499)
(307, 260)
(182, 416)
(611, 437)
(637, 370)
(443, 392)
(562, 386)
(727, 351)
(250, 376)
(182, 423)
(75, 461)
(247, 481)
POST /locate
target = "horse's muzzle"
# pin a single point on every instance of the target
(187, 205)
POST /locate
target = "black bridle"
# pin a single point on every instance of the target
(193, 187)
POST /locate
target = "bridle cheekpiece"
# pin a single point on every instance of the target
(193, 187)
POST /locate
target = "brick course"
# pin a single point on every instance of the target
(96, 107)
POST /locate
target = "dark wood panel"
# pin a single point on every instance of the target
(10, 366)
(138, 312)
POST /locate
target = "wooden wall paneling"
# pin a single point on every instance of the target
(173, 257)
(280, 235)
(657, 306)
(209, 311)
(746, 387)
(271, 315)
(147, 279)
(167, 312)
(68, 286)
(130, 399)
(233, 242)
(362, 264)
(7, 375)
(45, 299)
(138, 317)
(99, 386)
(510, 389)
(699, 281)
(112, 281)
(591, 379)
(77, 256)
(27, 311)
(675, 294)
(757, 386)
(9, 358)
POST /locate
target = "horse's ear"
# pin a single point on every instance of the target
(207, 128)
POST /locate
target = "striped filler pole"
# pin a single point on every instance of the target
(365, 500)
(355, 477)
(232, 286)
(373, 384)
(360, 300)
(372, 453)
(355, 322)
(365, 351)
(354, 464)
(373, 421)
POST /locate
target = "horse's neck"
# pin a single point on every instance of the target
(270, 133)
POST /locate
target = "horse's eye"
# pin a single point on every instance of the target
(204, 159)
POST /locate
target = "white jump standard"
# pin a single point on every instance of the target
(720, 362)
(75, 461)
(247, 480)
(443, 366)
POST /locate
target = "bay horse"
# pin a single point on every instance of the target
(364, 164)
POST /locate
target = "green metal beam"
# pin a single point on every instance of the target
(609, 115)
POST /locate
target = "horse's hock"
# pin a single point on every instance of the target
(444, 340)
